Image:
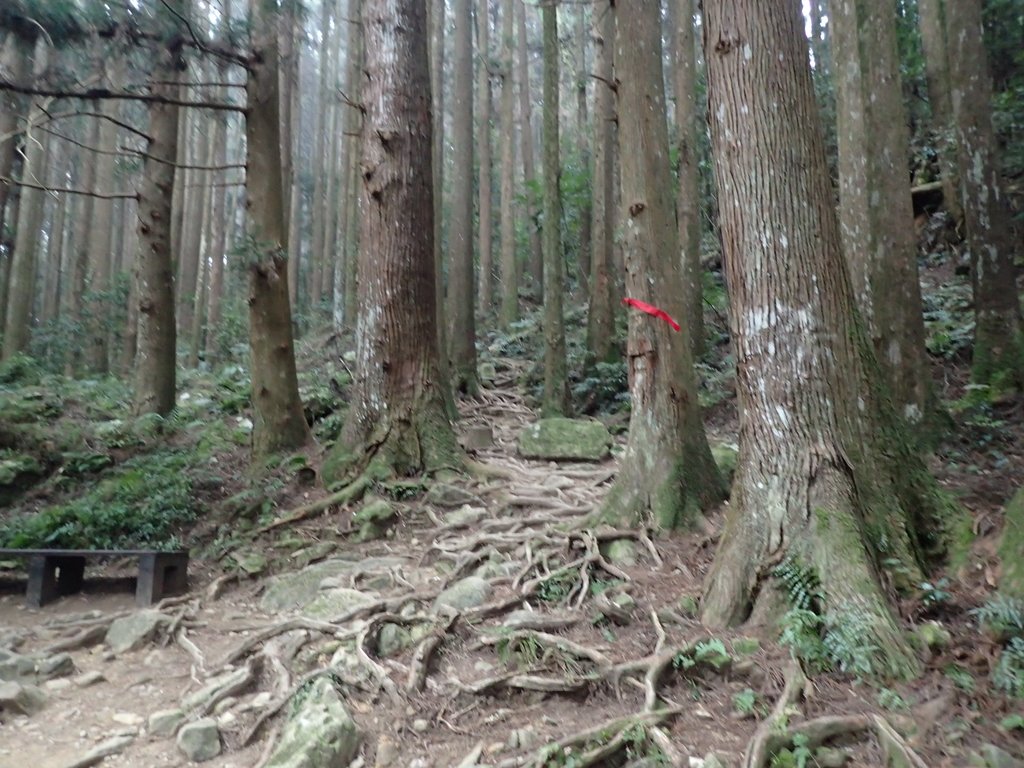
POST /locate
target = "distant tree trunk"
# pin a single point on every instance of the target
(998, 359)
(192, 229)
(397, 422)
(80, 250)
(668, 474)
(583, 143)
(556, 390)
(291, 131)
(155, 361)
(509, 266)
(54, 271)
(218, 249)
(535, 258)
(356, 59)
(932, 23)
(875, 212)
(322, 142)
(826, 481)
(461, 285)
(278, 420)
(601, 318)
(14, 58)
(688, 197)
(483, 96)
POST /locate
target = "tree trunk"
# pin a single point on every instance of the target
(583, 143)
(80, 249)
(826, 481)
(483, 96)
(322, 143)
(509, 267)
(668, 475)
(15, 60)
(192, 228)
(688, 197)
(931, 20)
(535, 260)
(556, 390)
(350, 179)
(998, 360)
(278, 420)
(155, 360)
(397, 423)
(218, 249)
(875, 212)
(601, 318)
(461, 285)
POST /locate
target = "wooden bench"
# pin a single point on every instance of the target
(53, 573)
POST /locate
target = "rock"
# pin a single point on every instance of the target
(335, 602)
(478, 437)
(314, 553)
(131, 632)
(128, 718)
(233, 680)
(725, 455)
(387, 752)
(250, 562)
(393, 639)
(291, 591)
(21, 699)
(15, 667)
(199, 741)
(468, 593)
(465, 516)
(89, 678)
(60, 684)
(620, 552)
(58, 665)
(487, 372)
(165, 722)
(420, 725)
(522, 738)
(558, 438)
(102, 751)
(933, 636)
(450, 496)
(373, 519)
(319, 732)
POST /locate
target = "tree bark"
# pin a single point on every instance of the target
(509, 267)
(998, 360)
(15, 60)
(535, 260)
(397, 423)
(80, 248)
(461, 285)
(826, 479)
(155, 360)
(601, 318)
(556, 390)
(278, 420)
(688, 196)
(483, 96)
(876, 212)
(668, 474)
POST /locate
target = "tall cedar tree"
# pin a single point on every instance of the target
(825, 481)
(279, 423)
(667, 472)
(397, 422)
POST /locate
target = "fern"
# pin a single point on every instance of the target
(1003, 615)
(846, 641)
(801, 583)
(1008, 676)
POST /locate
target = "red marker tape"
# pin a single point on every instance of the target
(652, 310)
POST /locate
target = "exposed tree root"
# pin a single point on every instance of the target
(351, 492)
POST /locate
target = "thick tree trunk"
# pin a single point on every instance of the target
(80, 250)
(509, 267)
(155, 360)
(278, 420)
(397, 423)
(601, 318)
(688, 196)
(461, 285)
(15, 60)
(483, 132)
(998, 360)
(668, 474)
(825, 479)
(350, 180)
(556, 389)
(875, 212)
(535, 257)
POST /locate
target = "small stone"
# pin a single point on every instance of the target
(420, 725)
(393, 639)
(621, 552)
(933, 635)
(59, 665)
(131, 632)
(468, 593)
(89, 678)
(127, 718)
(702, 713)
(60, 684)
(250, 562)
(21, 699)
(165, 722)
(387, 753)
(226, 719)
(261, 699)
(465, 516)
(450, 496)
(199, 741)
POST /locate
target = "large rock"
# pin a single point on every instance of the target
(725, 456)
(165, 722)
(292, 591)
(200, 741)
(320, 733)
(333, 603)
(468, 593)
(560, 439)
(17, 667)
(131, 632)
(21, 699)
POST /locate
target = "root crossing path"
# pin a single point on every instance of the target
(491, 625)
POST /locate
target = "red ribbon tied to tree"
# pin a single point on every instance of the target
(652, 310)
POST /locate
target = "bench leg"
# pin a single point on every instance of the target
(50, 577)
(160, 574)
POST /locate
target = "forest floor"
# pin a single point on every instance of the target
(562, 652)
